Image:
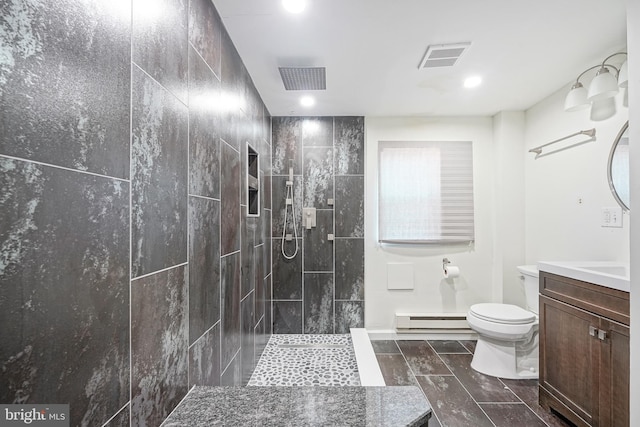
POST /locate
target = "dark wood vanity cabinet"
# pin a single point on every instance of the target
(584, 351)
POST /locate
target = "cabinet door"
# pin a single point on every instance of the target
(614, 375)
(569, 361)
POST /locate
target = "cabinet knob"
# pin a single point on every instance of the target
(592, 331)
(602, 335)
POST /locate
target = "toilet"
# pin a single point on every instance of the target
(507, 344)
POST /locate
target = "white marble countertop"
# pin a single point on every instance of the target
(611, 274)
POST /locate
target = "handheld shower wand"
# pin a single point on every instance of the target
(291, 171)
(289, 202)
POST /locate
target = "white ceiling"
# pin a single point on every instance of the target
(524, 50)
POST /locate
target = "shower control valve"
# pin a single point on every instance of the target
(309, 218)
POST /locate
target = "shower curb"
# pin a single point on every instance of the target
(368, 369)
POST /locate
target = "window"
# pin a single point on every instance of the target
(425, 192)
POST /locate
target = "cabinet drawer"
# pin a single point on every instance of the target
(610, 303)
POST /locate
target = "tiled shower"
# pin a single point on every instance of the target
(128, 269)
(321, 290)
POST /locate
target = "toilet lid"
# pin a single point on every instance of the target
(502, 313)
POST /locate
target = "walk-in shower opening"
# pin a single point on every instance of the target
(318, 360)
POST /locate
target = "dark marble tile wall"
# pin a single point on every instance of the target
(204, 265)
(128, 269)
(64, 289)
(204, 358)
(318, 247)
(247, 313)
(204, 128)
(287, 273)
(318, 177)
(64, 101)
(287, 317)
(318, 303)
(250, 260)
(286, 146)
(349, 269)
(232, 376)
(159, 345)
(160, 43)
(321, 290)
(158, 177)
(230, 330)
(121, 419)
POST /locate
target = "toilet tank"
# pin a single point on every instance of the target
(529, 274)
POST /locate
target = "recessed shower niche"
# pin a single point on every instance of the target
(253, 182)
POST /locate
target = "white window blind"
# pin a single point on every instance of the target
(425, 192)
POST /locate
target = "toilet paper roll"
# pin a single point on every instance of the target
(451, 272)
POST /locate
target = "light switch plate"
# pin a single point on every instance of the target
(605, 217)
(611, 217)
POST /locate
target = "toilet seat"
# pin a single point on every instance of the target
(508, 314)
(510, 323)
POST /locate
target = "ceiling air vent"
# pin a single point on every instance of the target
(443, 55)
(304, 78)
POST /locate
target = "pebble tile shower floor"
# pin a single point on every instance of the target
(307, 360)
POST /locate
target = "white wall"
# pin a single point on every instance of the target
(566, 190)
(633, 41)
(432, 293)
(508, 135)
(527, 209)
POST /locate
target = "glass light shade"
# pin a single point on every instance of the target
(604, 85)
(576, 98)
(623, 76)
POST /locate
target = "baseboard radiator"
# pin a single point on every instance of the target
(432, 322)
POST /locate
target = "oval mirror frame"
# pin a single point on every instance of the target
(619, 160)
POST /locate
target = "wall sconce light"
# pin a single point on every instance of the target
(604, 85)
(623, 75)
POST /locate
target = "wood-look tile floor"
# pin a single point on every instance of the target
(460, 396)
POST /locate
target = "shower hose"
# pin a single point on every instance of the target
(289, 202)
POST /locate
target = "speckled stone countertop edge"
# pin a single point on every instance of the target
(293, 406)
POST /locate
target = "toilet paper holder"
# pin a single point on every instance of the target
(449, 271)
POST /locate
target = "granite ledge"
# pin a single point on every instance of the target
(296, 406)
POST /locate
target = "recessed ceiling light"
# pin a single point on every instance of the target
(294, 6)
(473, 81)
(307, 101)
